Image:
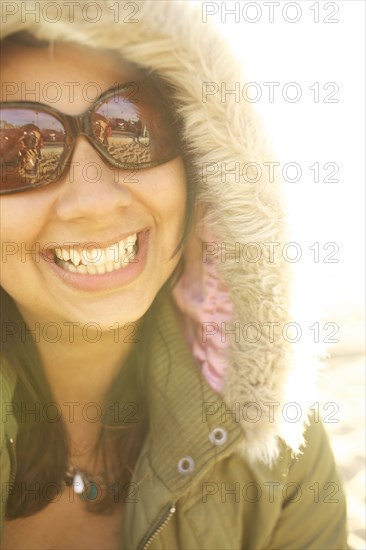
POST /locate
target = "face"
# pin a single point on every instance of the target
(123, 225)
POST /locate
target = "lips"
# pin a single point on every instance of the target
(91, 268)
(92, 260)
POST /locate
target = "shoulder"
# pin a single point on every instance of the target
(298, 502)
(313, 507)
(8, 430)
(7, 387)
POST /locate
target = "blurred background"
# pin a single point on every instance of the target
(312, 57)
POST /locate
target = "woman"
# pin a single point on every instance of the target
(148, 399)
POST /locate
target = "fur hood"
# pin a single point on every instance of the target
(235, 293)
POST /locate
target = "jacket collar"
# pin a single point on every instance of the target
(190, 425)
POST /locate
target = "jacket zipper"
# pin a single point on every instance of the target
(151, 534)
(13, 464)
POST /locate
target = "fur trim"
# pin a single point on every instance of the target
(171, 40)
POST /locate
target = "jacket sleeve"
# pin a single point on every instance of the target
(7, 429)
(314, 507)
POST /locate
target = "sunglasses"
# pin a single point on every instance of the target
(129, 126)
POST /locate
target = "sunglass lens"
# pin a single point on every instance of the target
(135, 134)
(31, 146)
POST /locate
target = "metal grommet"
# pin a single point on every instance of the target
(218, 436)
(185, 465)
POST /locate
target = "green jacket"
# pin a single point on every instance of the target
(208, 478)
(222, 501)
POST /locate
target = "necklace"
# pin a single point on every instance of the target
(88, 488)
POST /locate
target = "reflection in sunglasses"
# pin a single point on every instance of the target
(36, 140)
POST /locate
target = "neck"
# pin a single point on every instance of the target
(83, 371)
(80, 366)
(79, 375)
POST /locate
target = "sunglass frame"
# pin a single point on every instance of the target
(80, 125)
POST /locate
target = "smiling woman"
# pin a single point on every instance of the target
(129, 325)
(105, 248)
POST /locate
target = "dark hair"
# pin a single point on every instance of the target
(42, 447)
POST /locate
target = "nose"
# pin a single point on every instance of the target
(92, 189)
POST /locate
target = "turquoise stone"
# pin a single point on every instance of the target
(91, 491)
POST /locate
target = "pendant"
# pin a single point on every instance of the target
(91, 491)
(87, 489)
(78, 484)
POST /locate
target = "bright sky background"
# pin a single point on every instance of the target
(306, 132)
(22, 117)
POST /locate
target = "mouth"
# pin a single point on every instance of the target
(91, 259)
(91, 267)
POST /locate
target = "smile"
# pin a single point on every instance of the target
(92, 268)
(93, 261)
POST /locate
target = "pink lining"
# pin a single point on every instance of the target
(203, 299)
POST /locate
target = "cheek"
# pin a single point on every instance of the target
(21, 221)
(28, 212)
(174, 207)
(170, 196)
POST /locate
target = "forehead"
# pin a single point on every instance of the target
(66, 76)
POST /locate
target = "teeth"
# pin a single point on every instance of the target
(81, 269)
(101, 269)
(98, 261)
(75, 256)
(112, 253)
(91, 269)
(65, 255)
(91, 257)
(102, 258)
(121, 250)
(131, 239)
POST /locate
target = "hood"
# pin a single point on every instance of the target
(235, 292)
